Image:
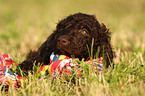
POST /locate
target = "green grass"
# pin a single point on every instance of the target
(20, 19)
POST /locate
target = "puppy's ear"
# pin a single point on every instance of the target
(47, 48)
(104, 39)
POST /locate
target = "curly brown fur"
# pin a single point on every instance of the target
(71, 37)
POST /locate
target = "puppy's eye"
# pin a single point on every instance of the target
(83, 31)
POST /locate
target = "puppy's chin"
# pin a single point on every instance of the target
(62, 52)
(74, 55)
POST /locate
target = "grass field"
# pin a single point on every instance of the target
(25, 25)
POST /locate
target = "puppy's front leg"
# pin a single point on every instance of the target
(28, 65)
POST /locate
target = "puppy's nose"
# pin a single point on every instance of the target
(63, 41)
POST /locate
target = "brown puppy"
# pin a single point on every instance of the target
(71, 37)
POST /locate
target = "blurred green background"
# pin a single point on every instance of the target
(25, 24)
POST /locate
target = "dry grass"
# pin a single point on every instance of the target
(19, 20)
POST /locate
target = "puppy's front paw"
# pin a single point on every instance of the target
(26, 65)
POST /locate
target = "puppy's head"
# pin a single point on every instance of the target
(74, 33)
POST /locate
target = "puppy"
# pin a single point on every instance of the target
(71, 38)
